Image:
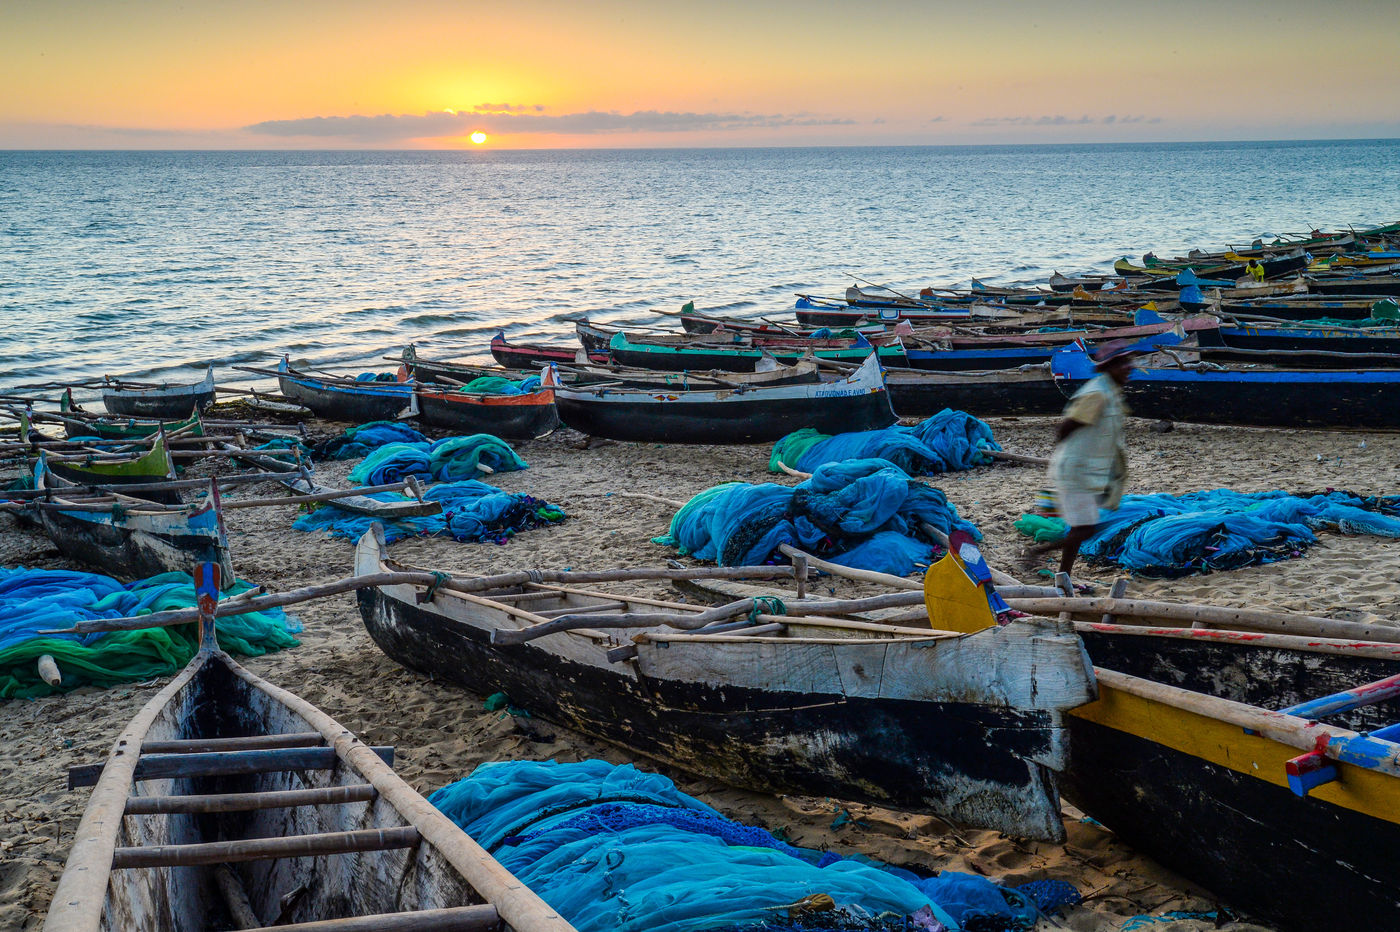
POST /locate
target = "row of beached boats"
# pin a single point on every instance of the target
(1254, 751)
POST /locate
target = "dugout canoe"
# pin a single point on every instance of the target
(513, 417)
(161, 402)
(80, 423)
(741, 354)
(131, 538)
(228, 802)
(346, 399)
(112, 470)
(1022, 391)
(449, 371)
(1251, 750)
(1262, 767)
(1304, 346)
(744, 414)
(802, 372)
(969, 728)
(532, 356)
(1255, 396)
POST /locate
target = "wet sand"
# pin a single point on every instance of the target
(441, 733)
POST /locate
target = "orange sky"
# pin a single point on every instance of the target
(621, 73)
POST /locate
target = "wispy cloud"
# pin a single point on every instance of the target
(1060, 119)
(506, 118)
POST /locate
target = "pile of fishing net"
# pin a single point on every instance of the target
(38, 600)
(445, 460)
(1175, 535)
(614, 848)
(864, 513)
(947, 442)
(500, 385)
(471, 512)
(364, 439)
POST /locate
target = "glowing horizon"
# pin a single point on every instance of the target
(427, 74)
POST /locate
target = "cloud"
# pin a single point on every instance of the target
(395, 127)
(938, 119)
(506, 108)
(1061, 120)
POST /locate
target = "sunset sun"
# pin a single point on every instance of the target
(478, 137)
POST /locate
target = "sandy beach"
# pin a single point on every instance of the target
(441, 733)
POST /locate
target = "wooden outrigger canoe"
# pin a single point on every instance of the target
(1165, 388)
(78, 423)
(1252, 750)
(513, 417)
(231, 803)
(740, 414)
(346, 399)
(164, 401)
(128, 537)
(682, 352)
(117, 470)
(970, 728)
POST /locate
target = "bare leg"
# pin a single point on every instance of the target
(1071, 544)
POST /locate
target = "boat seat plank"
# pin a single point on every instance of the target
(454, 919)
(582, 609)
(264, 849)
(222, 763)
(246, 802)
(301, 739)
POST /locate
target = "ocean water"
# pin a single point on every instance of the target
(151, 263)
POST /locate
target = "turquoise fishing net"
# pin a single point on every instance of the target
(471, 512)
(615, 848)
(499, 385)
(447, 460)
(1220, 529)
(864, 513)
(34, 600)
(947, 442)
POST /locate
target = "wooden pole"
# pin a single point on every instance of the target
(1233, 618)
(451, 919)
(236, 898)
(261, 849)
(248, 802)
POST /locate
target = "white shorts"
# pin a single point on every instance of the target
(1078, 509)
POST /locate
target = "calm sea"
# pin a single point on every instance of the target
(149, 263)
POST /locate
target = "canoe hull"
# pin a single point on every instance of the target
(138, 545)
(170, 403)
(358, 405)
(997, 394)
(899, 753)
(735, 421)
(513, 417)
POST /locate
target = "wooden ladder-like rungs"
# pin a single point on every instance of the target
(582, 609)
(298, 739)
(456, 919)
(246, 802)
(222, 763)
(264, 849)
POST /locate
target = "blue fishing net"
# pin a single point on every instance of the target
(1220, 529)
(471, 512)
(33, 600)
(363, 439)
(448, 459)
(864, 513)
(947, 442)
(614, 848)
(500, 385)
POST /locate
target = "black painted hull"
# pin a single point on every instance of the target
(1302, 863)
(133, 549)
(1305, 351)
(1324, 406)
(1388, 286)
(733, 421)
(727, 361)
(508, 421)
(913, 397)
(359, 407)
(166, 409)
(776, 742)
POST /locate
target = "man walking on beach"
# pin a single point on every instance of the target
(1089, 465)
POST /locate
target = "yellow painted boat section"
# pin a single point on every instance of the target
(1358, 789)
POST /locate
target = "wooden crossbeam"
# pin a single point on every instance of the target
(582, 610)
(246, 802)
(455, 919)
(222, 763)
(265, 849)
(300, 739)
